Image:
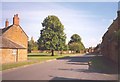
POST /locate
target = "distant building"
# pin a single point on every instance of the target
(13, 42)
(110, 44)
(97, 49)
(89, 50)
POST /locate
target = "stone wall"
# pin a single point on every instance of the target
(110, 45)
(9, 57)
(22, 54)
(17, 35)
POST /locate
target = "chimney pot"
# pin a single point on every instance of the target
(118, 12)
(16, 20)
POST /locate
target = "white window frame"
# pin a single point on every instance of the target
(14, 51)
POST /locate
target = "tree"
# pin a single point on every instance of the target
(75, 38)
(52, 36)
(32, 45)
(29, 47)
(75, 43)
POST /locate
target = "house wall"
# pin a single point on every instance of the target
(7, 56)
(109, 45)
(22, 54)
(0, 56)
(16, 34)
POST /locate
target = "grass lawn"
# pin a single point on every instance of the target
(33, 58)
(41, 57)
(103, 64)
(17, 64)
(45, 54)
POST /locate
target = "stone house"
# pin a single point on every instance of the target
(13, 42)
(110, 44)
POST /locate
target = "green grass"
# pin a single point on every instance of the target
(98, 63)
(17, 64)
(42, 57)
(39, 54)
(32, 59)
(102, 64)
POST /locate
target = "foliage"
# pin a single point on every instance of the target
(76, 47)
(29, 47)
(32, 45)
(35, 46)
(66, 47)
(100, 63)
(75, 38)
(52, 36)
(75, 43)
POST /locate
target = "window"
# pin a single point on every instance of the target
(14, 51)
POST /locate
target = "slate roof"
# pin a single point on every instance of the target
(6, 43)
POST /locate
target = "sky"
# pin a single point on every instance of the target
(88, 19)
(59, 0)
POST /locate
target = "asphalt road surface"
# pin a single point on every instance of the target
(69, 68)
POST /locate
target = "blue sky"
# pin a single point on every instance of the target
(88, 19)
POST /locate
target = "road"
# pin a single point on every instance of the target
(69, 68)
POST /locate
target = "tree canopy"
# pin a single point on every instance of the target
(52, 36)
(75, 38)
(75, 43)
(32, 45)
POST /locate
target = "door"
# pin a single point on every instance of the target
(14, 52)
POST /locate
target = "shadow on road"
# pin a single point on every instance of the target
(63, 79)
(85, 58)
(109, 68)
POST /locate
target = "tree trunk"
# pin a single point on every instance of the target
(61, 52)
(52, 53)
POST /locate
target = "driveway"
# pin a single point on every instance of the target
(68, 68)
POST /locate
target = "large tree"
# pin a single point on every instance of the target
(52, 36)
(75, 43)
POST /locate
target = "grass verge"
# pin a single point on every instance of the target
(17, 64)
(103, 64)
(32, 59)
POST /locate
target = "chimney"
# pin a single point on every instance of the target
(118, 13)
(16, 20)
(6, 23)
